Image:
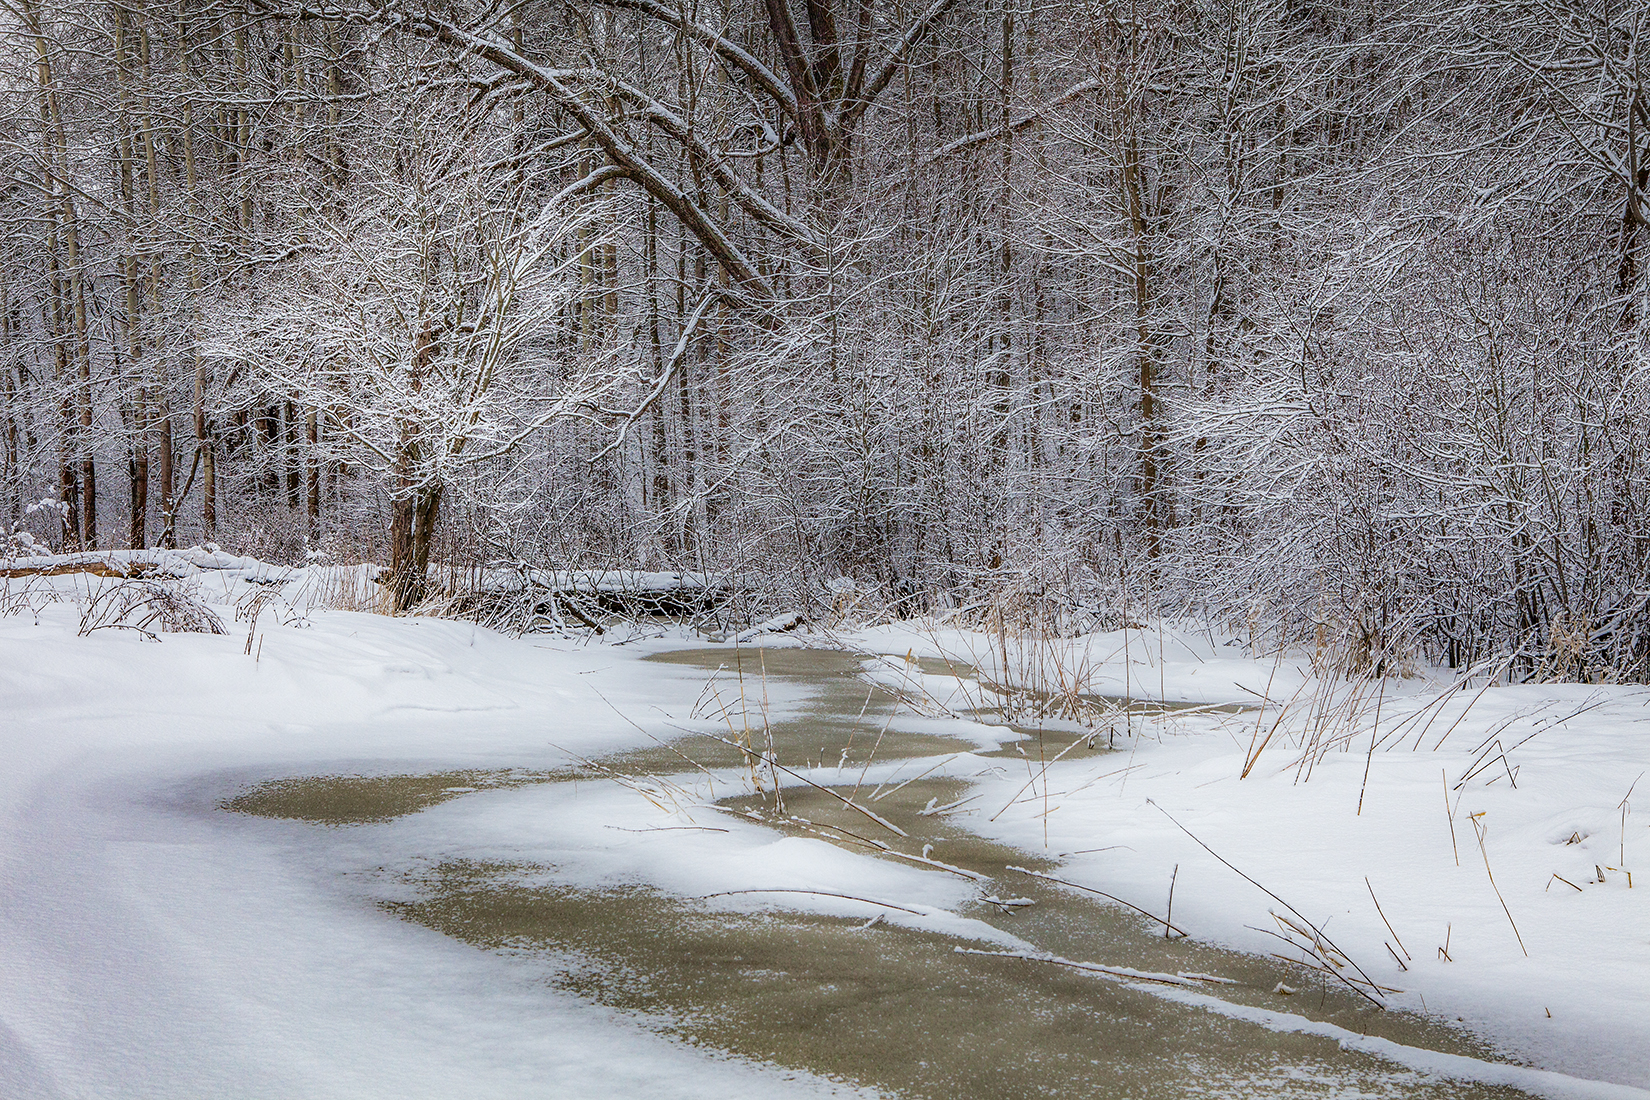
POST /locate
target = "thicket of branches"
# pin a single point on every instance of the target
(1322, 316)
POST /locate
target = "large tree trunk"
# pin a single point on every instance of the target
(417, 500)
(412, 528)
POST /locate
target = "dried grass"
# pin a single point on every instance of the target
(340, 588)
(139, 603)
(26, 596)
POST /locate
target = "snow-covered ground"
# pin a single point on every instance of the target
(1508, 907)
(152, 946)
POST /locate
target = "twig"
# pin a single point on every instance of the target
(811, 826)
(625, 780)
(1626, 808)
(1370, 757)
(1169, 916)
(1034, 778)
(1109, 897)
(1479, 828)
(820, 893)
(878, 796)
(1095, 968)
(1386, 922)
(850, 803)
(1254, 755)
(1489, 683)
(1315, 929)
(668, 829)
(1450, 815)
(961, 872)
(655, 739)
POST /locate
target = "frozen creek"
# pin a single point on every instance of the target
(840, 974)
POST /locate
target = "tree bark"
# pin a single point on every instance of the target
(412, 529)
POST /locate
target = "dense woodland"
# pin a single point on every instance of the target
(1322, 318)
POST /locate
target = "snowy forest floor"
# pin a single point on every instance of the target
(1463, 852)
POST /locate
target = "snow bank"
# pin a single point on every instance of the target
(1492, 825)
(151, 946)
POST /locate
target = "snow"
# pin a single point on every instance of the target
(739, 865)
(190, 562)
(151, 945)
(1536, 1081)
(1578, 1002)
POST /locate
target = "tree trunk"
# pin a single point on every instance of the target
(60, 307)
(160, 406)
(312, 470)
(125, 155)
(292, 457)
(412, 528)
(1632, 226)
(1134, 188)
(203, 440)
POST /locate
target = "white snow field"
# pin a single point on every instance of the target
(154, 946)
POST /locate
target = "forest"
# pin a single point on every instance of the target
(1320, 319)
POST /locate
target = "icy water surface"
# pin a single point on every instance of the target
(370, 799)
(880, 1005)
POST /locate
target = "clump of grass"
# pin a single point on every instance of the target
(26, 595)
(139, 603)
(340, 588)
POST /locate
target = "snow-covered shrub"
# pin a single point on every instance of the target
(18, 543)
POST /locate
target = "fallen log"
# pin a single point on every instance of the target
(96, 568)
(779, 624)
(526, 599)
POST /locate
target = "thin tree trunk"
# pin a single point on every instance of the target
(68, 306)
(1001, 378)
(312, 434)
(292, 457)
(160, 414)
(203, 440)
(1140, 257)
(661, 444)
(137, 537)
(417, 501)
